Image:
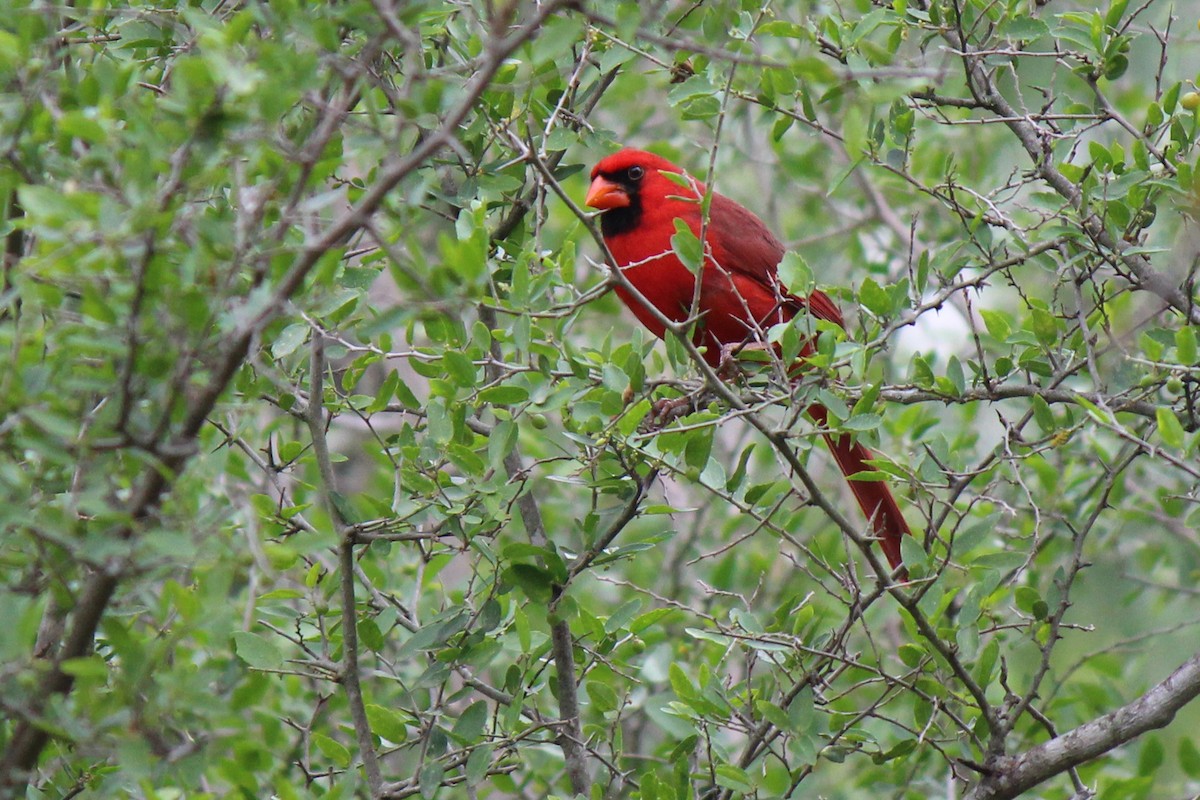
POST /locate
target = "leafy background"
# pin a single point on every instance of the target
(328, 467)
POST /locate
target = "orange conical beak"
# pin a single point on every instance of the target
(605, 194)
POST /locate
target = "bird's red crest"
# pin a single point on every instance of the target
(624, 159)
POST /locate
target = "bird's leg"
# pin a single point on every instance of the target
(727, 365)
(728, 370)
(669, 408)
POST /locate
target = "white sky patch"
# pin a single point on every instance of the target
(942, 331)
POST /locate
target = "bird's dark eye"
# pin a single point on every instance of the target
(636, 173)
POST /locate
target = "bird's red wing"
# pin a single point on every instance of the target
(742, 243)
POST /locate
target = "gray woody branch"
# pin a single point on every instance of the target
(1013, 775)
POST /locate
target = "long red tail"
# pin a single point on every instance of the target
(874, 497)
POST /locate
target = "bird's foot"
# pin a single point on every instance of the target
(728, 367)
(668, 409)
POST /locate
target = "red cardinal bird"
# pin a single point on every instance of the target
(739, 293)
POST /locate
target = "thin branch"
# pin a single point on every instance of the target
(349, 675)
(909, 395)
(570, 736)
(627, 515)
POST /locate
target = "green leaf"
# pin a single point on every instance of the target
(795, 275)
(1169, 428)
(623, 615)
(997, 324)
(862, 422)
(506, 395)
(336, 752)
(52, 207)
(900, 750)
(1189, 757)
(854, 131)
(289, 339)
(782, 124)
(709, 636)
(680, 683)
(85, 667)
(1185, 345)
(1043, 415)
(387, 390)
(867, 400)
(501, 442)
(344, 507)
(469, 725)
(874, 298)
(405, 395)
(603, 698)
(910, 654)
(913, 554)
(687, 246)
(1152, 756)
(922, 372)
(478, 764)
(370, 635)
(1141, 156)
(1115, 66)
(257, 651)
(1030, 601)
(460, 367)
(534, 581)
(985, 667)
(954, 372)
(1025, 28)
(732, 777)
(83, 126)
(698, 447)
(358, 278)
(430, 778)
(1115, 11)
(774, 714)
(802, 712)
(614, 378)
(387, 723)
(1044, 325)
(678, 178)
(469, 259)
(701, 107)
